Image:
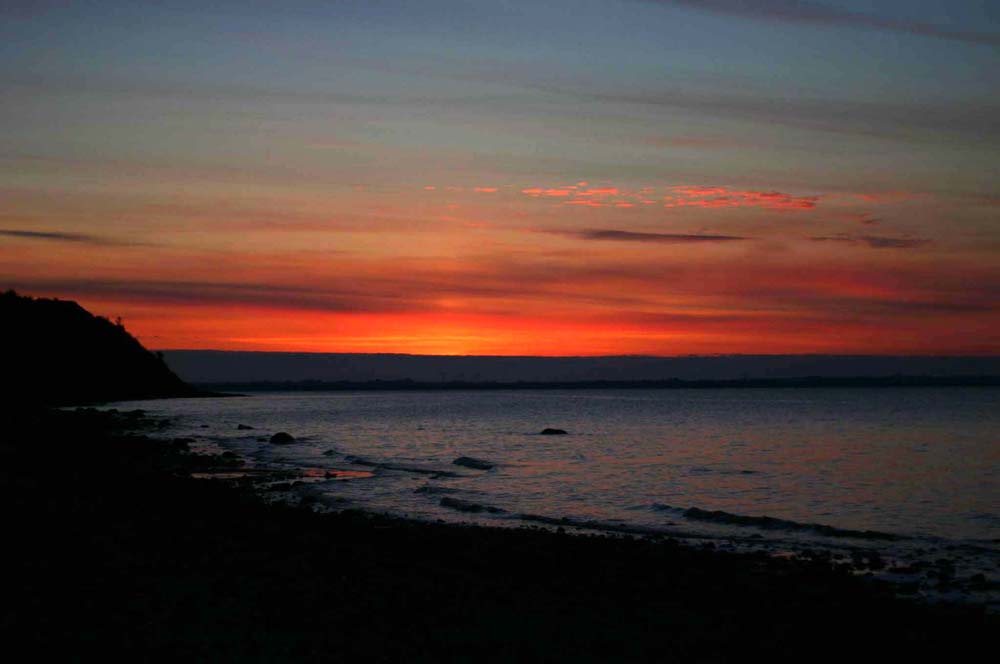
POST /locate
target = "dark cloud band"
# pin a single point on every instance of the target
(814, 13)
(631, 236)
(60, 236)
(876, 241)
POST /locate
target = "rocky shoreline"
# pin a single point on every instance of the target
(122, 547)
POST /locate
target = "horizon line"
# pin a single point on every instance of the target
(583, 357)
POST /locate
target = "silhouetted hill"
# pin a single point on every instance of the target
(56, 352)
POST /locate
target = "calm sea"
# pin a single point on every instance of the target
(918, 463)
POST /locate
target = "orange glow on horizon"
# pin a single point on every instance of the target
(256, 329)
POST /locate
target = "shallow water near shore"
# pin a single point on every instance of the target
(909, 472)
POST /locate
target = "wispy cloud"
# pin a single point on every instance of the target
(538, 192)
(60, 236)
(204, 293)
(672, 197)
(701, 142)
(139, 87)
(603, 234)
(886, 197)
(886, 120)
(864, 218)
(875, 241)
(814, 13)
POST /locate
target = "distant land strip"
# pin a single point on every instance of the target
(673, 383)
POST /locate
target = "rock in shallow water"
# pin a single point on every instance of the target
(552, 432)
(466, 506)
(282, 438)
(432, 489)
(470, 462)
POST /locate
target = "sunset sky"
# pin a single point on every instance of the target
(582, 177)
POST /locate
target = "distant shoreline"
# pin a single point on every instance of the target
(668, 384)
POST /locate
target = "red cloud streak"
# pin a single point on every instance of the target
(721, 197)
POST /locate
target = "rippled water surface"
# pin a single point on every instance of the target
(918, 461)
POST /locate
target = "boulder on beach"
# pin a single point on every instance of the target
(552, 432)
(282, 438)
(470, 462)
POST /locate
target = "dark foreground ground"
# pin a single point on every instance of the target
(116, 551)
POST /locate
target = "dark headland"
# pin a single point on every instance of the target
(119, 552)
(56, 352)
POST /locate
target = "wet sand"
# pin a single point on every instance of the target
(118, 550)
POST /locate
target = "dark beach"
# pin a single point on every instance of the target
(119, 551)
